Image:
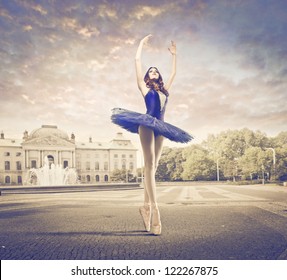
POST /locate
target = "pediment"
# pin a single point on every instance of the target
(49, 141)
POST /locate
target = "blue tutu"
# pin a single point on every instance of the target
(153, 119)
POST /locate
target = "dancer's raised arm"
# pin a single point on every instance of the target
(172, 50)
(141, 84)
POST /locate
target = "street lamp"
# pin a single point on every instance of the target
(217, 169)
(263, 175)
(274, 161)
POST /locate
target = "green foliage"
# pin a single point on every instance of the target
(240, 154)
(122, 175)
(170, 165)
(198, 165)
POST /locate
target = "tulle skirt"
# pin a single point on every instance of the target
(131, 121)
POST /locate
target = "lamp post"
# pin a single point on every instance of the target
(217, 169)
(263, 175)
(274, 162)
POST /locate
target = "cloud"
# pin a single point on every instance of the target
(70, 63)
(106, 10)
(4, 13)
(39, 9)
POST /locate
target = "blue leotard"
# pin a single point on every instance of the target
(153, 119)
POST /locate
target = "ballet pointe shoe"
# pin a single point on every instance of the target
(156, 228)
(146, 215)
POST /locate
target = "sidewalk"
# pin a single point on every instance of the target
(67, 188)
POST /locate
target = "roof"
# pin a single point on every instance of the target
(11, 143)
(92, 145)
(120, 142)
(48, 130)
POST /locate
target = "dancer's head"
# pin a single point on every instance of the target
(153, 80)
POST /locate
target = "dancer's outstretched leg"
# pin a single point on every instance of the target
(145, 210)
(148, 146)
(158, 145)
(156, 222)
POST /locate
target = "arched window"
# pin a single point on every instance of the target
(50, 159)
(124, 164)
(97, 178)
(131, 166)
(33, 164)
(7, 180)
(106, 178)
(18, 165)
(19, 179)
(7, 165)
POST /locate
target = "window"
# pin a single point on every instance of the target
(131, 166)
(78, 165)
(6, 154)
(97, 178)
(88, 178)
(97, 165)
(19, 179)
(131, 156)
(7, 165)
(18, 154)
(124, 165)
(116, 165)
(123, 156)
(66, 163)
(106, 178)
(18, 165)
(7, 180)
(115, 155)
(33, 164)
(50, 159)
(106, 166)
(88, 165)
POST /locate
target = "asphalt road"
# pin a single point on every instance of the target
(200, 221)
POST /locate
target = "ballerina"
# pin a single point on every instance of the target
(152, 130)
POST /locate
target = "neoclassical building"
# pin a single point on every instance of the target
(93, 161)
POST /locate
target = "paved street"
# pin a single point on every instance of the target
(199, 221)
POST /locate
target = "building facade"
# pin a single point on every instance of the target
(93, 161)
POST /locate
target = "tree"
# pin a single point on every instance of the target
(279, 143)
(122, 175)
(198, 165)
(255, 161)
(170, 165)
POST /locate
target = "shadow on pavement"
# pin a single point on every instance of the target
(98, 233)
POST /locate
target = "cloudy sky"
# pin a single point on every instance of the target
(68, 63)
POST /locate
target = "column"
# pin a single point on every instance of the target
(60, 157)
(27, 158)
(74, 159)
(42, 157)
(39, 159)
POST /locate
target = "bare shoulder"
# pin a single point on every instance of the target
(144, 91)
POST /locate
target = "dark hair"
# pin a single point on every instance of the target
(156, 84)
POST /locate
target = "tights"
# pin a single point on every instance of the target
(152, 148)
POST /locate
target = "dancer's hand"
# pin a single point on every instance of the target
(146, 39)
(172, 48)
